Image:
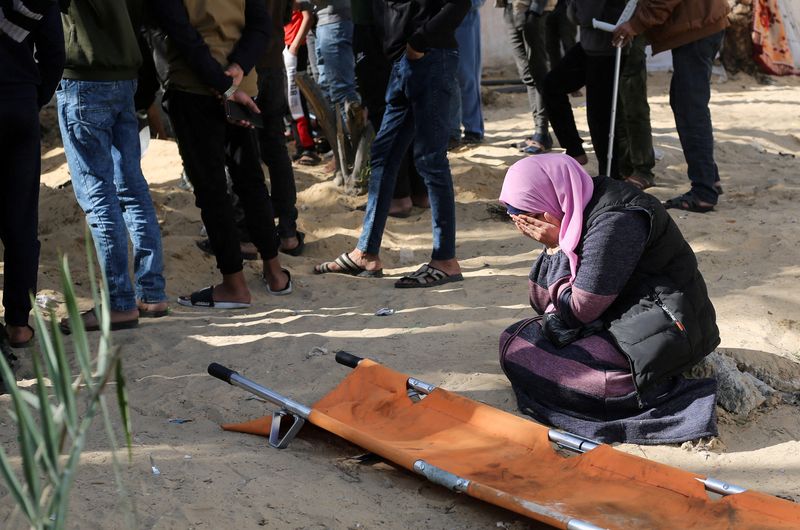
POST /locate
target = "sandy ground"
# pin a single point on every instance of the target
(748, 251)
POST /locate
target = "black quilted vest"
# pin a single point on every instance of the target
(663, 319)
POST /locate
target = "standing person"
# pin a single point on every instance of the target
(213, 48)
(420, 40)
(589, 63)
(335, 61)
(465, 105)
(560, 33)
(273, 103)
(295, 59)
(31, 62)
(694, 33)
(525, 24)
(101, 141)
(634, 135)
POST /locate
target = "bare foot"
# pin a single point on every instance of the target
(248, 248)
(289, 243)
(154, 308)
(19, 334)
(582, 159)
(226, 292)
(370, 262)
(90, 319)
(450, 266)
(421, 201)
(277, 282)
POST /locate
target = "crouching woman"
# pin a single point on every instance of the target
(622, 310)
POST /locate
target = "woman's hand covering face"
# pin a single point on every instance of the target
(543, 228)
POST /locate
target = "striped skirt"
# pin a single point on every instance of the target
(587, 388)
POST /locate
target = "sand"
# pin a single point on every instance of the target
(748, 250)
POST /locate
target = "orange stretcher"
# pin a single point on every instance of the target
(509, 461)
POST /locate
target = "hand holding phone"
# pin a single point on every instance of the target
(242, 110)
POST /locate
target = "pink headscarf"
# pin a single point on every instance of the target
(555, 184)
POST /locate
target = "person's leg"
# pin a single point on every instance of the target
(552, 38)
(690, 92)
(514, 26)
(19, 207)
(200, 127)
(136, 203)
(638, 156)
(533, 33)
(87, 115)
(468, 36)
(568, 76)
(272, 102)
(250, 186)
(335, 44)
(428, 91)
(599, 90)
(454, 115)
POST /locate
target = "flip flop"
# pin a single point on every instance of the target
(115, 326)
(427, 276)
(283, 292)
(301, 244)
(205, 298)
(347, 266)
(24, 344)
(689, 203)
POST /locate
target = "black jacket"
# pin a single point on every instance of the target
(424, 24)
(662, 320)
(25, 72)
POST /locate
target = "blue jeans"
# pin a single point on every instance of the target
(465, 106)
(101, 142)
(689, 94)
(335, 61)
(417, 104)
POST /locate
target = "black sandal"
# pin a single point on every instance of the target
(347, 266)
(688, 202)
(427, 276)
(301, 244)
(66, 329)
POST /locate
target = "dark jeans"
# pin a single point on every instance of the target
(560, 32)
(689, 94)
(634, 138)
(526, 33)
(596, 73)
(19, 204)
(207, 142)
(372, 76)
(274, 105)
(417, 104)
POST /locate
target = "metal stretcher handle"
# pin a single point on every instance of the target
(233, 378)
(221, 372)
(348, 359)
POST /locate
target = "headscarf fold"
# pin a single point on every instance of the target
(554, 184)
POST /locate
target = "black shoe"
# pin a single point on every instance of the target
(471, 138)
(453, 144)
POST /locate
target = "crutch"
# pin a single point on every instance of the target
(626, 15)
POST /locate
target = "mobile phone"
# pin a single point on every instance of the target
(237, 112)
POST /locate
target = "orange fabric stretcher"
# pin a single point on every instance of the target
(510, 462)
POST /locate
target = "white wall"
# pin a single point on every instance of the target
(495, 47)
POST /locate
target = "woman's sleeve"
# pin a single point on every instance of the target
(548, 274)
(611, 250)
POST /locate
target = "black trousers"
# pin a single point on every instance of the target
(20, 167)
(207, 143)
(576, 70)
(273, 104)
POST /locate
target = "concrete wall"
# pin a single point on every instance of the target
(495, 47)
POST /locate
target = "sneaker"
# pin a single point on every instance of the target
(453, 144)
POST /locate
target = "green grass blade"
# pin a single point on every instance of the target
(15, 488)
(101, 304)
(79, 337)
(50, 434)
(26, 427)
(124, 409)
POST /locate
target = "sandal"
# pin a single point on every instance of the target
(689, 203)
(23, 344)
(283, 292)
(66, 329)
(347, 266)
(308, 158)
(427, 276)
(205, 298)
(301, 244)
(156, 313)
(639, 182)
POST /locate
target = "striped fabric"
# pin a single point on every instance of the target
(19, 17)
